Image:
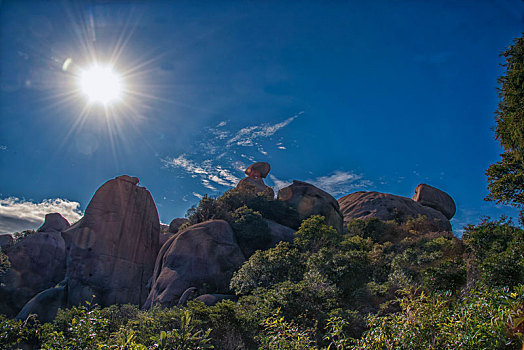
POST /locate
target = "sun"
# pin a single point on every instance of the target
(101, 85)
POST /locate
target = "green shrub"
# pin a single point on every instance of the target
(251, 230)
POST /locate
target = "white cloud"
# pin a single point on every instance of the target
(247, 136)
(206, 170)
(3, 148)
(198, 195)
(279, 183)
(340, 182)
(17, 215)
(218, 156)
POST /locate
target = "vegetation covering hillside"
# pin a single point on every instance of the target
(383, 285)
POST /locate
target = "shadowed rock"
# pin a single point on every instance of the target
(213, 299)
(278, 233)
(434, 198)
(54, 222)
(45, 304)
(310, 200)
(384, 206)
(38, 262)
(114, 246)
(176, 223)
(6, 241)
(203, 255)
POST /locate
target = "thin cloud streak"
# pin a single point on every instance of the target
(18, 215)
(206, 170)
(246, 136)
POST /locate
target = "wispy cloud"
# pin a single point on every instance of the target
(206, 171)
(18, 215)
(222, 154)
(247, 136)
(341, 182)
(337, 183)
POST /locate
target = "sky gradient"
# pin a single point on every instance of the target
(347, 95)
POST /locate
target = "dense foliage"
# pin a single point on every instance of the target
(382, 285)
(506, 177)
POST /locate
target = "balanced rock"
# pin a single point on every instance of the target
(254, 182)
(38, 262)
(309, 200)
(434, 198)
(114, 246)
(54, 222)
(384, 206)
(203, 256)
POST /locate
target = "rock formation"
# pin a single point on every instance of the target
(310, 200)
(362, 205)
(54, 222)
(203, 254)
(38, 262)
(434, 198)
(114, 246)
(176, 223)
(254, 182)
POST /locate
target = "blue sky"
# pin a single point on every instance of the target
(379, 95)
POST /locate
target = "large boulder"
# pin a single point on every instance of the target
(38, 262)
(434, 198)
(203, 256)
(384, 206)
(176, 223)
(114, 246)
(54, 222)
(310, 200)
(278, 233)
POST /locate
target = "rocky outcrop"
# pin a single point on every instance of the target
(203, 256)
(310, 200)
(250, 185)
(434, 198)
(45, 304)
(54, 222)
(254, 182)
(38, 262)
(278, 233)
(176, 223)
(213, 299)
(114, 246)
(362, 205)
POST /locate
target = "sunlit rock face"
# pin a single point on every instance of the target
(114, 246)
(203, 256)
(310, 200)
(384, 206)
(434, 198)
(38, 262)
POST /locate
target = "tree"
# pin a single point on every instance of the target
(506, 177)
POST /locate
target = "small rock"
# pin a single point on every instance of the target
(54, 222)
